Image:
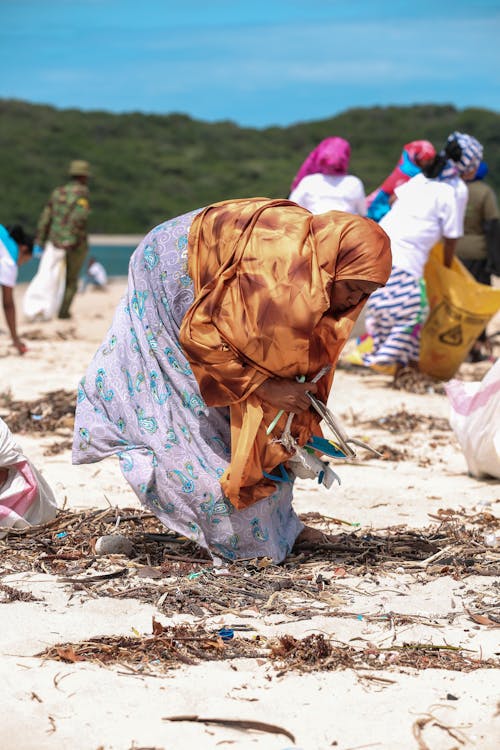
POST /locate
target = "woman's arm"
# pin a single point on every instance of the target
(449, 250)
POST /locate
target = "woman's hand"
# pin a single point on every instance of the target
(287, 395)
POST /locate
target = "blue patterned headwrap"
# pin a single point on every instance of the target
(470, 157)
(472, 151)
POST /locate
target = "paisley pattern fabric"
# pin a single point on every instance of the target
(140, 401)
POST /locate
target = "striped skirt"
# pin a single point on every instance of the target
(395, 316)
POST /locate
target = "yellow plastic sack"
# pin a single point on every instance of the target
(460, 308)
(364, 345)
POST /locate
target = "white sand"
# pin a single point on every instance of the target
(51, 705)
(115, 240)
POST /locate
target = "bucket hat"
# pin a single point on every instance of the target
(79, 168)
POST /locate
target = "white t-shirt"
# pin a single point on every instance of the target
(425, 211)
(8, 267)
(323, 192)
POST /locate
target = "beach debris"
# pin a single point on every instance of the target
(114, 544)
(58, 447)
(315, 652)
(174, 574)
(420, 724)
(147, 571)
(37, 334)
(412, 380)
(404, 421)
(167, 648)
(489, 620)
(492, 539)
(10, 594)
(172, 646)
(53, 412)
(388, 453)
(226, 633)
(243, 724)
(97, 578)
(315, 580)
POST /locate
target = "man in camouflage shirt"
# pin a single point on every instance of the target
(64, 223)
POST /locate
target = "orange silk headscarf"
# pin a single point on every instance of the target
(263, 271)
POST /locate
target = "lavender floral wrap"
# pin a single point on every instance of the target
(139, 400)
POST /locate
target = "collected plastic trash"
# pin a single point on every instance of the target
(343, 441)
(491, 540)
(25, 497)
(475, 420)
(196, 574)
(460, 310)
(114, 544)
(226, 634)
(303, 461)
(485, 503)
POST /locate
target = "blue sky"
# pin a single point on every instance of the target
(254, 62)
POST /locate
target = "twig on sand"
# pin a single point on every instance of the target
(420, 724)
(258, 726)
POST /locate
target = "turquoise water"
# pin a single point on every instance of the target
(114, 259)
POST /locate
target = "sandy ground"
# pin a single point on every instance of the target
(115, 240)
(52, 705)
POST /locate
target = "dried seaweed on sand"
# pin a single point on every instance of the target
(412, 380)
(316, 652)
(171, 647)
(175, 575)
(404, 421)
(167, 648)
(46, 415)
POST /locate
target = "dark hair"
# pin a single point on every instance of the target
(19, 235)
(452, 151)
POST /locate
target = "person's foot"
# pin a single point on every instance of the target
(310, 535)
(64, 316)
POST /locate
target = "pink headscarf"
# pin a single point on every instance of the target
(331, 156)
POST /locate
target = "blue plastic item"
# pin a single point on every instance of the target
(226, 634)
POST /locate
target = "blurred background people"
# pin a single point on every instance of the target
(479, 248)
(415, 156)
(322, 183)
(16, 248)
(95, 275)
(429, 207)
(62, 230)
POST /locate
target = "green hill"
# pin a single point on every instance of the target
(147, 168)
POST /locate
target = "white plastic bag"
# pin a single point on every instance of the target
(25, 497)
(475, 419)
(44, 295)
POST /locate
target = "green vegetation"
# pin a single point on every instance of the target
(148, 168)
